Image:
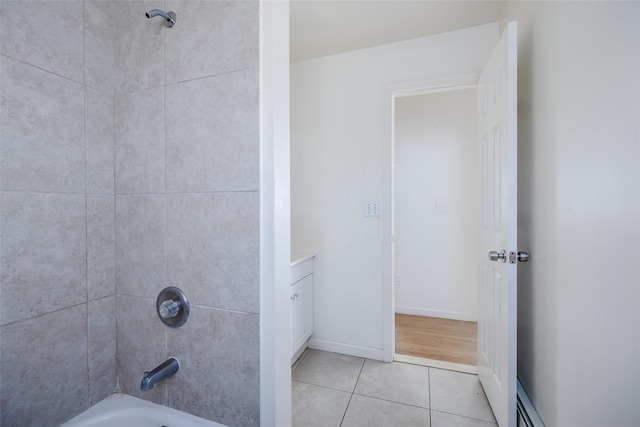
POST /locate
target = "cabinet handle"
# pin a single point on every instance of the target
(294, 297)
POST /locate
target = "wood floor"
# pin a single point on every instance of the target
(434, 338)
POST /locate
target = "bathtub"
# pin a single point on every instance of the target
(121, 410)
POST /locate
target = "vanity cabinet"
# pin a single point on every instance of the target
(301, 305)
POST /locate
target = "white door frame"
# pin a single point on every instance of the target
(390, 93)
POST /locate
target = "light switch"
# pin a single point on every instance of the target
(372, 209)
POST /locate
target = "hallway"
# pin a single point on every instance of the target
(434, 338)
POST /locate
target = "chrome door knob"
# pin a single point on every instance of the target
(496, 256)
(523, 256)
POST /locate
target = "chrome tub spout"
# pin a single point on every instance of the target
(163, 371)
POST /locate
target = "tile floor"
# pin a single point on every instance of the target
(335, 390)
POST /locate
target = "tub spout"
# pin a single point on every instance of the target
(163, 371)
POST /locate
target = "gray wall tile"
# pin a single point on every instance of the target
(100, 142)
(48, 34)
(43, 253)
(213, 248)
(141, 346)
(140, 245)
(59, 136)
(101, 351)
(139, 46)
(140, 155)
(213, 133)
(43, 141)
(211, 37)
(99, 45)
(101, 246)
(44, 369)
(219, 377)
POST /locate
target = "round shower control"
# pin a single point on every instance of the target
(172, 306)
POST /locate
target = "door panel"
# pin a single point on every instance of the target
(497, 126)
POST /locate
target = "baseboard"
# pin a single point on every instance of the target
(298, 353)
(454, 315)
(351, 350)
(527, 414)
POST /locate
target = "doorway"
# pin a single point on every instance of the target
(435, 220)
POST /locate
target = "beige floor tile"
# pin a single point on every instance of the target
(441, 419)
(397, 382)
(332, 370)
(459, 394)
(315, 406)
(300, 359)
(367, 411)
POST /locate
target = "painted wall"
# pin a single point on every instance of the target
(275, 214)
(579, 204)
(130, 162)
(337, 128)
(436, 204)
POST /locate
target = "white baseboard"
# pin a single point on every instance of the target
(454, 315)
(351, 350)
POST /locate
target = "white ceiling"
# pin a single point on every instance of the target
(327, 27)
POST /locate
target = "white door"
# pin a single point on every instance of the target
(497, 126)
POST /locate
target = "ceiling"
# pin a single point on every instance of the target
(327, 27)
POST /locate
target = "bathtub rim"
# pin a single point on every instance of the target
(118, 401)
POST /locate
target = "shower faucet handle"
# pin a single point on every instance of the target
(168, 309)
(172, 306)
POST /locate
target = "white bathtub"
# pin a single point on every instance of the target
(121, 410)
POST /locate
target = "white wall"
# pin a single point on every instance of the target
(579, 204)
(435, 159)
(337, 128)
(275, 249)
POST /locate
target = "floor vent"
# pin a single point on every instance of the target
(527, 415)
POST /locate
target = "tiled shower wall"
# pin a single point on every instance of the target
(58, 335)
(187, 202)
(129, 163)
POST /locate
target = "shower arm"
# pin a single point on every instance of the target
(169, 17)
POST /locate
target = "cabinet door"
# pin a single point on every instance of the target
(302, 295)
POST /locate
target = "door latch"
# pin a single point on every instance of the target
(518, 257)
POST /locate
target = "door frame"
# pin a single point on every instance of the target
(390, 93)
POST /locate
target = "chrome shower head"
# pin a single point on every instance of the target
(169, 17)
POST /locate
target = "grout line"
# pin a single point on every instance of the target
(364, 360)
(29, 64)
(321, 386)
(346, 409)
(467, 417)
(353, 391)
(86, 193)
(392, 401)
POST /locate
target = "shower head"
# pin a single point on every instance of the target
(169, 17)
